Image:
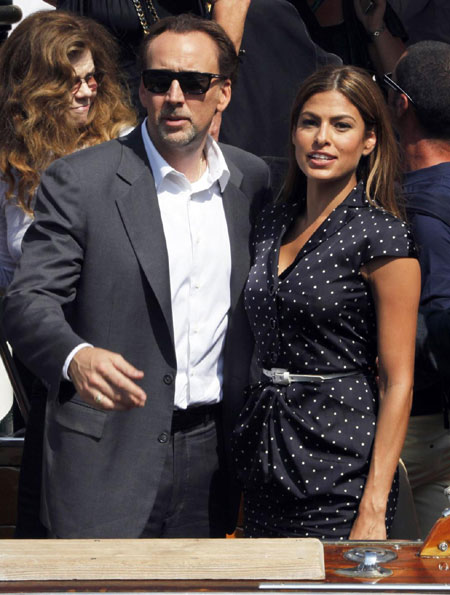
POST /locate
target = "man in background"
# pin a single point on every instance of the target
(420, 89)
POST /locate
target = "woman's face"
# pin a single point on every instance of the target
(83, 94)
(330, 138)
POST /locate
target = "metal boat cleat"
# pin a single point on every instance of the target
(368, 559)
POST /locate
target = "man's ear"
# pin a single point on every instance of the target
(225, 95)
(401, 104)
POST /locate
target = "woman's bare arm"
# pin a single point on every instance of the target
(231, 14)
(395, 284)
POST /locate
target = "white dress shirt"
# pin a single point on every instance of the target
(199, 253)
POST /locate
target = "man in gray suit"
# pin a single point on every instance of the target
(128, 303)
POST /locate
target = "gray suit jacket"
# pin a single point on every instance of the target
(95, 269)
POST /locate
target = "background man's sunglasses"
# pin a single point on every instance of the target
(387, 80)
(192, 83)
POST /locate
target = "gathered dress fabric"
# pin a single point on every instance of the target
(302, 451)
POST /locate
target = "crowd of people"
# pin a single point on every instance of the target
(223, 237)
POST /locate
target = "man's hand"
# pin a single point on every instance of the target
(104, 379)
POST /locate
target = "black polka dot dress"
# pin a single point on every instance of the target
(302, 451)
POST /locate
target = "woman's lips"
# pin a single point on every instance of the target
(319, 159)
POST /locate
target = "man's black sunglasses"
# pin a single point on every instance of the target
(192, 83)
(387, 80)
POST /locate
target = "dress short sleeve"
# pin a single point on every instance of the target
(385, 235)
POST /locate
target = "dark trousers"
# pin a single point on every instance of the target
(192, 496)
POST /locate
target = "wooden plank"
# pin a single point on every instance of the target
(161, 559)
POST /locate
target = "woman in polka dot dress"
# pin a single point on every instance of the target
(335, 285)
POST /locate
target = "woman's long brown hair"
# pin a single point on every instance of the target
(379, 170)
(37, 76)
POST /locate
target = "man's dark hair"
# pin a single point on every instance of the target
(189, 23)
(424, 73)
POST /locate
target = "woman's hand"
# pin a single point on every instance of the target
(374, 19)
(384, 49)
(369, 527)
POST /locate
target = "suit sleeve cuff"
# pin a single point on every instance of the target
(70, 357)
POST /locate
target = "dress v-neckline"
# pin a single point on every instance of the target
(282, 275)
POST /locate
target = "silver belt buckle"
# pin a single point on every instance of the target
(280, 376)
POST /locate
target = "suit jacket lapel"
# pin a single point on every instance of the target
(141, 217)
(237, 213)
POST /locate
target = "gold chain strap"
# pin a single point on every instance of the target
(141, 14)
(151, 7)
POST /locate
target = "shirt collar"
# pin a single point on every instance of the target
(217, 167)
(433, 173)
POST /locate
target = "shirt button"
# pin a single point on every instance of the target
(272, 290)
(273, 323)
(163, 438)
(168, 379)
(273, 357)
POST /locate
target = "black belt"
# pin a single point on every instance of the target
(185, 419)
